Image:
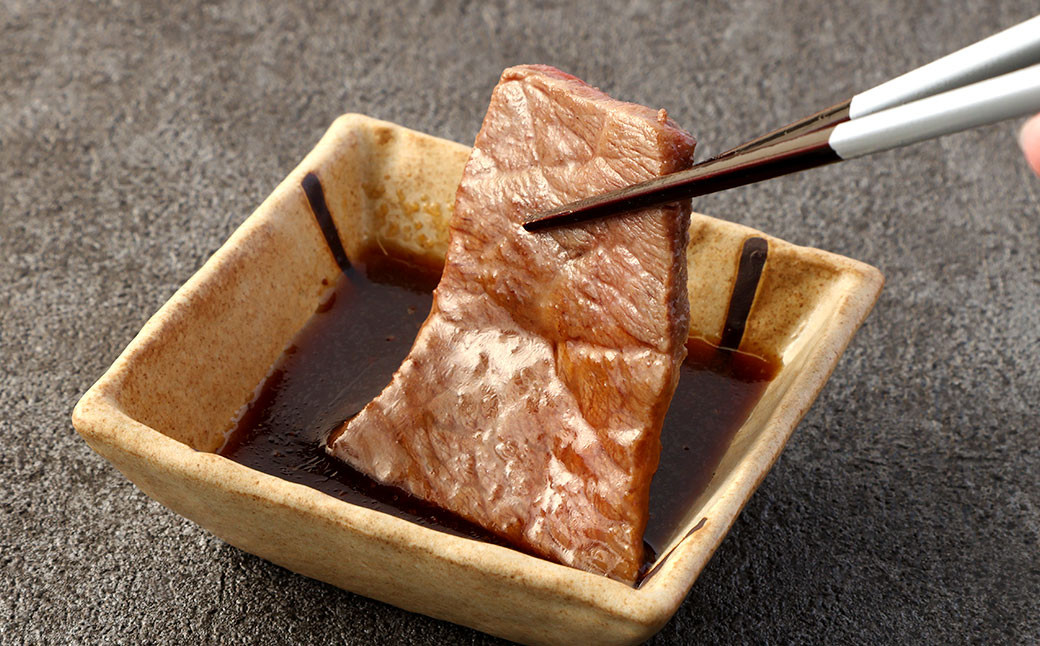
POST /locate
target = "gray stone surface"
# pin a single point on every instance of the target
(134, 138)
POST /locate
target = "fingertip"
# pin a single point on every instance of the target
(1029, 139)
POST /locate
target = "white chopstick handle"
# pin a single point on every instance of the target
(1004, 97)
(1003, 52)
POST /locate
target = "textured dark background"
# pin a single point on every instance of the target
(134, 138)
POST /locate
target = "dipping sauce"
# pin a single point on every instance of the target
(341, 359)
(717, 391)
(358, 337)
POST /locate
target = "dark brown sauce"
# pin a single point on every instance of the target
(358, 337)
(717, 391)
(753, 254)
(335, 365)
(319, 207)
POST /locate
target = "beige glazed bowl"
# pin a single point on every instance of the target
(166, 404)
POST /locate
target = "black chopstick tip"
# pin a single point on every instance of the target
(542, 221)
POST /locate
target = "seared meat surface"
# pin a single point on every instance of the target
(532, 400)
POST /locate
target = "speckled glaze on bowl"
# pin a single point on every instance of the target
(163, 408)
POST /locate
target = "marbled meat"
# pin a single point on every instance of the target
(532, 400)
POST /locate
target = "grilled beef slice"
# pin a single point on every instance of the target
(532, 400)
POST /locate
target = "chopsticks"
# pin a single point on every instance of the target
(994, 79)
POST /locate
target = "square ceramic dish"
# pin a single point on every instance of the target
(164, 407)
